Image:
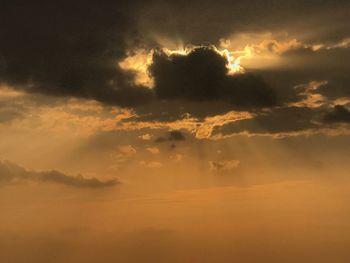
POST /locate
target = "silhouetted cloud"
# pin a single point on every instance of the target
(10, 172)
(73, 49)
(202, 75)
(340, 114)
(172, 136)
(176, 136)
(69, 49)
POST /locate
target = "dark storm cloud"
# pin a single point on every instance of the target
(72, 48)
(339, 114)
(10, 172)
(69, 48)
(311, 22)
(202, 75)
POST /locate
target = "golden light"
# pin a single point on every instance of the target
(233, 64)
(180, 51)
(241, 52)
(139, 61)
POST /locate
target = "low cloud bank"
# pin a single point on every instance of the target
(11, 172)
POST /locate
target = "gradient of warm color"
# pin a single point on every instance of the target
(156, 131)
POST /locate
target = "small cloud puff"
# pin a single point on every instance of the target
(153, 150)
(227, 165)
(127, 150)
(146, 137)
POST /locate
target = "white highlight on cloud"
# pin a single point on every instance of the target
(264, 50)
(138, 62)
(146, 137)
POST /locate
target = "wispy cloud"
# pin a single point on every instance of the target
(11, 172)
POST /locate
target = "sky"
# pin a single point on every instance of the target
(174, 131)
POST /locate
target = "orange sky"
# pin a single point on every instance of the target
(174, 131)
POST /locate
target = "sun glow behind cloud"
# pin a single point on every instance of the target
(233, 62)
(138, 61)
(242, 52)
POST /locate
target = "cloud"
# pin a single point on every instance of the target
(146, 137)
(202, 75)
(210, 123)
(75, 49)
(309, 95)
(70, 49)
(176, 136)
(340, 114)
(10, 172)
(227, 165)
(78, 181)
(305, 64)
(153, 150)
(199, 21)
(91, 50)
(70, 117)
(177, 157)
(279, 120)
(7, 115)
(127, 150)
(172, 136)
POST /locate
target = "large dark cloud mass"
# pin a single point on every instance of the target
(69, 48)
(72, 48)
(202, 75)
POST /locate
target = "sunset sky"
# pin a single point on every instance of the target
(174, 131)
